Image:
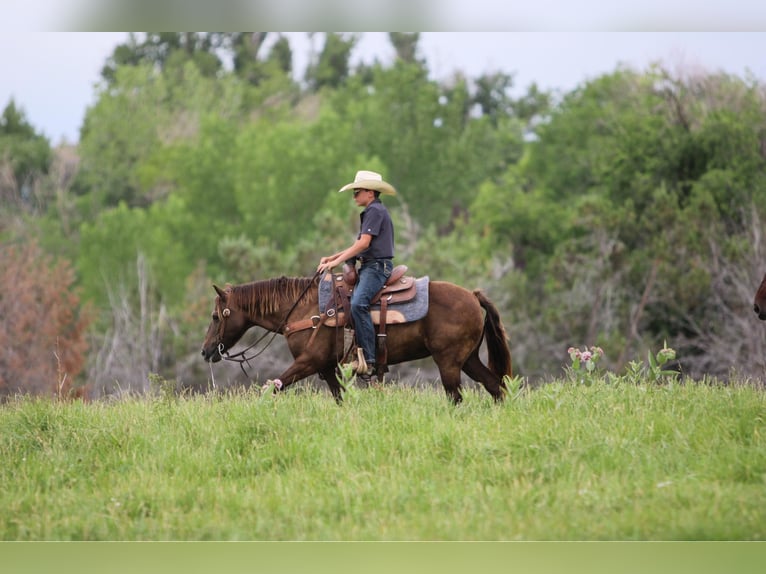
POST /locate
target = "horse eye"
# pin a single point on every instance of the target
(215, 316)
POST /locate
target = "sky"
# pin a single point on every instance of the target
(53, 74)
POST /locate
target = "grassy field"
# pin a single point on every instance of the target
(561, 462)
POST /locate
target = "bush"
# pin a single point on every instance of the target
(42, 334)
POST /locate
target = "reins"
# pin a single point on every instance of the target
(241, 357)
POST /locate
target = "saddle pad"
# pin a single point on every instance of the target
(406, 311)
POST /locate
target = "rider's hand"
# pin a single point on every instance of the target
(325, 264)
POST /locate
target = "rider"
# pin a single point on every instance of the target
(374, 247)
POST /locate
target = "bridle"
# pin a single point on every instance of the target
(241, 357)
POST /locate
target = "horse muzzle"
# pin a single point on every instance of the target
(760, 312)
(212, 354)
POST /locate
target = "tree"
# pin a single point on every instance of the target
(159, 49)
(284, 171)
(533, 107)
(282, 55)
(406, 46)
(435, 151)
(42, 334)
(250, 66)
(635, 193)
(25, 155)
(492, 95)
(332, 67)
(131, 346)
(133, 122)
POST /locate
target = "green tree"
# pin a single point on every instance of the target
(111, 244)
(533, 107)
(119, 131)
(437, 154)
(331, 69)
(284, 171)
(160, 49)
(634, 189)
(251, 66)
(492, 95)
(25, 155)
(143, 113)
(201, 174)
(506, 212)
(406, 46)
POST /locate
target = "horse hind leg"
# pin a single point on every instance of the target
(449, 373)
(475, 369)
(452, 387)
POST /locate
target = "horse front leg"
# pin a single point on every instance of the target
(298, 370)
(306, 365)
(312, 358)
(329, 376)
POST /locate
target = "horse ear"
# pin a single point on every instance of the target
(220, 292)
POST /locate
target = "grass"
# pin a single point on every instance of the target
(562, 462)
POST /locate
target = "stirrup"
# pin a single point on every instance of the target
(359, 365)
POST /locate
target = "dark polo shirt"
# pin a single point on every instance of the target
(376, 221)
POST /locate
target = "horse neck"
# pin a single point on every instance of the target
(267, 303)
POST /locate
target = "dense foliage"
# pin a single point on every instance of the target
(622, 214)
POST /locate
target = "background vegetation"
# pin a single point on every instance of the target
(622, 214)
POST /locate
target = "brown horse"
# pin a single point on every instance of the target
(451, 332)
(759, 303)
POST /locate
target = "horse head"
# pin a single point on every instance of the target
(227, 326)
(759, 303)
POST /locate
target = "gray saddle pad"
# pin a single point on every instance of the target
(412, 310)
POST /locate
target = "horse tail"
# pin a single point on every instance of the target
(498, 352)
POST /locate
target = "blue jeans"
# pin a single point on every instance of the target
(372, 276)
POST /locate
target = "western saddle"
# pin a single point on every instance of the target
(398, 289)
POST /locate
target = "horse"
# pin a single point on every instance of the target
(451, 332)
(759, 303)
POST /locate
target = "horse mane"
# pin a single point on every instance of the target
(266, 297)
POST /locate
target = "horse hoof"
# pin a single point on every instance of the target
(276, 383)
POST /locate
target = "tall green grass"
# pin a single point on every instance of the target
(562, 462)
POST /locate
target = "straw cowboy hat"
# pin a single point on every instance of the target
(370, 180)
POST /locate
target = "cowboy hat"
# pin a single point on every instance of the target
(369, 180)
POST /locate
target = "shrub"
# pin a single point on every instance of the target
(42, 334)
